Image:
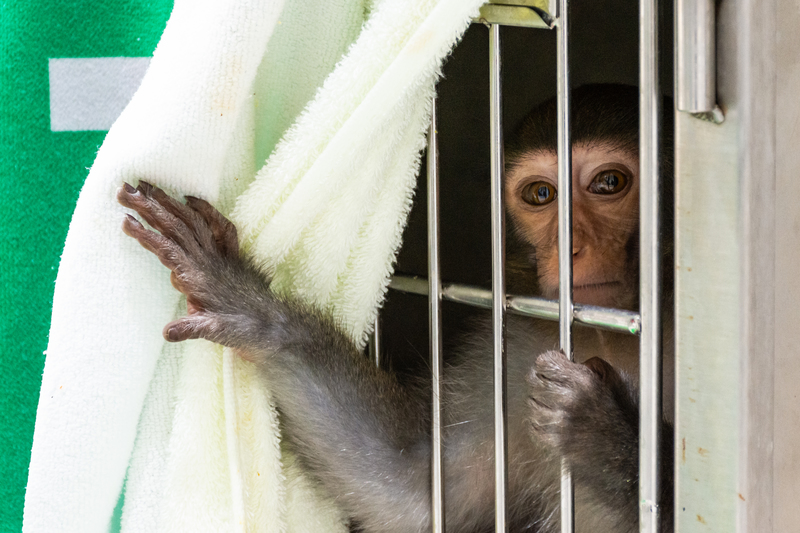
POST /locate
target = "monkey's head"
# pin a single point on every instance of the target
(605, 195)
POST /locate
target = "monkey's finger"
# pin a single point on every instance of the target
(178, 282)
(190, 327)
(223, 229)
(537, 403)
(169, 253)
(554, 367)
(140, 200)
(545, 422)
(181, 282)
(548, 376)
(604, 371)
(548, 369)
(185, 214)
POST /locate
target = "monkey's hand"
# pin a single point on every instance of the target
(348, 421)
(224, 294)
(587, 413)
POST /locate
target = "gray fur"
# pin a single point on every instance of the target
(366, 438)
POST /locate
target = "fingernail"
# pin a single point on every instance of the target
(172, 335)
(130, 189)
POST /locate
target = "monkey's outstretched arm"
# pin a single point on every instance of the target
(353, 426)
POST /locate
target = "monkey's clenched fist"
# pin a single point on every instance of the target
(568, 400)
(587, 414)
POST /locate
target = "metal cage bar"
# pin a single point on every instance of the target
(647, 325)
(435, 328)
(616, 320)
(650, 269)
(695, 61)
(374, 345)
(565, 310)
(498, 280)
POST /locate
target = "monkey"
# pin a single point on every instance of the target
(605, 214)
(365, 436)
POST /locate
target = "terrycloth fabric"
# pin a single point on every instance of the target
(42, 169)
(324, 217)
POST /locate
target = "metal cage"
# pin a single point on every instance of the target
(729, 389)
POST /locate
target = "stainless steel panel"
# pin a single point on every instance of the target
(725, 287)
(787, 256)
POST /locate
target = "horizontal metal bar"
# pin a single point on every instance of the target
(589, 315)
(513, 15)
(543, 5)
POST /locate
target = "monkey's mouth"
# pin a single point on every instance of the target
(603, 294)
(591, 286)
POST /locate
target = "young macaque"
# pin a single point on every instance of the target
(605, 215)
(365, 437)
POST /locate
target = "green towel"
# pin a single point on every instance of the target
(43, 171)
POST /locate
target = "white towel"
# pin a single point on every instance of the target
(324, 216)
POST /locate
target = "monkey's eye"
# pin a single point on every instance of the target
(538, 193)
(608, 182)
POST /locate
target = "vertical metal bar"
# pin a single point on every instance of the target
(435, 327)
(650, 273)
(498, 280)
(565, 308)
(695, 60)
(375, 342)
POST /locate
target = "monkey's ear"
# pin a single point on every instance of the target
(603, 369)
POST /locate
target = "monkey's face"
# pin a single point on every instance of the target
(605, 221)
